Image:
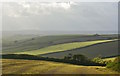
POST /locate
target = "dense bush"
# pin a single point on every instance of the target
(76, 58)
(98, 60)
(114, 65)
(80, 59)
(68, 57)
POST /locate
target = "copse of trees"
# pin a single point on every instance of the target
(76, 58)
(80, 59)
(68, 57)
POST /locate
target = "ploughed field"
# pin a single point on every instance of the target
(15, 66)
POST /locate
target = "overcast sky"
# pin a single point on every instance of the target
(69, 16)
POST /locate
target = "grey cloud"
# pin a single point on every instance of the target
(69, 17)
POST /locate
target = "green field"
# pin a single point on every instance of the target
(63, 47)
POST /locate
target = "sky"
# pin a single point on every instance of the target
(60, 16)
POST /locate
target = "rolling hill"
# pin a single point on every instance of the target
(105, 49)
(63, 47)
(13, 45)
(16, 66)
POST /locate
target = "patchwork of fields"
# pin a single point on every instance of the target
(63, 47)
(14, 45)
(58, 47)
(105, 49)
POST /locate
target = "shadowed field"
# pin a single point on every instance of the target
(14, 66)
(15, 44)
(102, 49)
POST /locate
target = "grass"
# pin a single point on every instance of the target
(63, 47)
(15, 66)
(109, 59)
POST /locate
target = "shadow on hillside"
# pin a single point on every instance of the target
(65, 60)
(79, 48)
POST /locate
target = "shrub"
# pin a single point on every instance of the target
(76, 59)
(68, 57)
(98, 60)
(114, 65)
(80, 58)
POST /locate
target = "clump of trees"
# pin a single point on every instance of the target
(77, 58)
(81, 59)
(96, 35)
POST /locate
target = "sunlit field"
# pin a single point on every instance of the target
(14, 66)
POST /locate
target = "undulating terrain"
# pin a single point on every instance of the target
(14, 66)
(57, 46)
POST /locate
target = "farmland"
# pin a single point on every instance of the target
(63, 47)
(102, 49)
(23, 44)
(45, 54)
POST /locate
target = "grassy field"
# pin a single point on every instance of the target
(14, 66)
(63, 47)
(15, 44)
(109, 59)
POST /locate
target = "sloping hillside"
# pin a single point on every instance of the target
(63, 47)
(102, 49)
(45, 41)
(14, 66)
